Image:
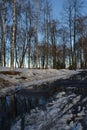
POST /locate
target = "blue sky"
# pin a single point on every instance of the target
(58, 6)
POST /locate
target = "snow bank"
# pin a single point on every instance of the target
(29, 77)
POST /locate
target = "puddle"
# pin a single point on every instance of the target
(14, 106)
(11, 107)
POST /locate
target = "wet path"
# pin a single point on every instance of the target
(15, 106)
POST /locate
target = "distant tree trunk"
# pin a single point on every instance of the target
(47, 42)
(53, 47)
(45, 52)
(53, 34)
(0, 58)
(54, 56)
(29, 56)
(64, 55)
(77, 8)
(13, 36)
(29, 43)
(18, 39)
(36, 36)
(47, 10)
(70, 35)
(74, 36)
(3, 53)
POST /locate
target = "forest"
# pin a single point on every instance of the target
(31, 37)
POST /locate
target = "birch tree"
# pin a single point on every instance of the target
(13, 36)
(3, 53)
(73, 11)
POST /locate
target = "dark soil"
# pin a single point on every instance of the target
(10, 72)
(4, 83)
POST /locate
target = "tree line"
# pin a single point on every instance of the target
(31, 37)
